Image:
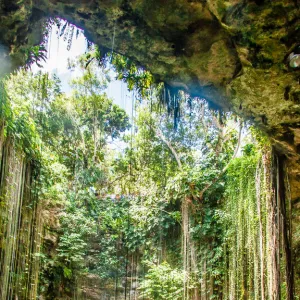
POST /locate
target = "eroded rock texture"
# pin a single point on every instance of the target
(234, 53)
(231, 52)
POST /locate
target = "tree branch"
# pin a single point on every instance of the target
(226, 167)
(163, 138)
(109, 184)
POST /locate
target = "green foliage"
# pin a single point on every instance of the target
(162, 282)
(21, 128)
(198, 146)
(135, 77)
(18, 123)
(64, 136)
(117, 206)
(245, 219)
(249, 149)
(76, 227)
(36, 55)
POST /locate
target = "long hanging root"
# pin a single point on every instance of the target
(186, 248)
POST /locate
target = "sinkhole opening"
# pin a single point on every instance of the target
(116, 186)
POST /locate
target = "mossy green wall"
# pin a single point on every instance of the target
(20, 225)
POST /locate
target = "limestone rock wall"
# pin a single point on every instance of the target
(233, 53)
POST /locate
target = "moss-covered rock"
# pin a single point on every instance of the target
(234, 53)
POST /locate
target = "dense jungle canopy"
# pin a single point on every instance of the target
(192, 193)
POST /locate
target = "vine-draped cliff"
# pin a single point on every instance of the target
(256, 260)
(21, 224)
(258, 205)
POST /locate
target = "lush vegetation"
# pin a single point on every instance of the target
(177, 213)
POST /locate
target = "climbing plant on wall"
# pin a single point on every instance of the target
(192, 197)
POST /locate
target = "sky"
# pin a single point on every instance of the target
(58, 56)
(57, 63)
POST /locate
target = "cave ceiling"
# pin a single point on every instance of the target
(233, 53)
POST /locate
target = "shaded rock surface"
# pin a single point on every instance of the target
(233, 53)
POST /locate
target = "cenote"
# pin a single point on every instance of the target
(149, 150)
